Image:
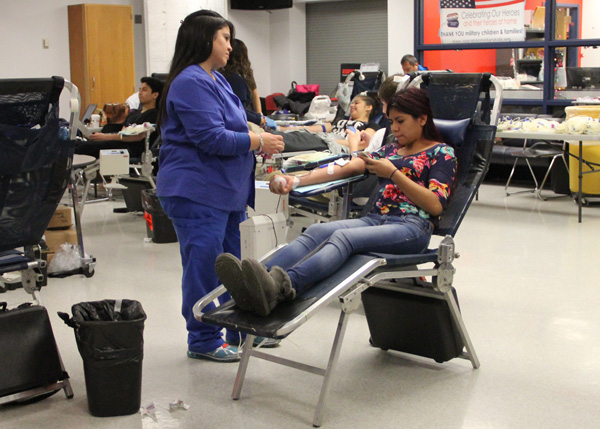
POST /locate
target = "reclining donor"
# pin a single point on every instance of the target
(415, 176)
(363, 110)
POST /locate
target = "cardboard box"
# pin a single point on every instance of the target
(562, 24)
(56, 237)
(62, 218)
(539, 18)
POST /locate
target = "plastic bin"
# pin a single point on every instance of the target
(133, 193)
(158, 225)
(110, 339)
(591, 182)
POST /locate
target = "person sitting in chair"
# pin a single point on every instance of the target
(149, 94)
(410, 63)
(416, 173)
(363, 110)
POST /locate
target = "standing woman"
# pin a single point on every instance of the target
(206, 176)
(240, 76)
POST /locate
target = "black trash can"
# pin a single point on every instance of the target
(158, 225)
(110, 339)
(133, 193)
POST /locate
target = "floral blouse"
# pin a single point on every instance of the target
(433, 168)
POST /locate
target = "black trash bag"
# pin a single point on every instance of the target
(295, 106)
(151, 203)
(103, 311)
(110, 340)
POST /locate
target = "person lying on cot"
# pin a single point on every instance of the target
(362, 111)
(416, 173)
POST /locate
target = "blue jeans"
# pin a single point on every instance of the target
(203, 233)
(407, 234)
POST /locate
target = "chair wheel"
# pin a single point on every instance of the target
(88, 271)
(372, 344)
(584, 201)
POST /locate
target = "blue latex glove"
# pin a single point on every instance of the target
(270, 123)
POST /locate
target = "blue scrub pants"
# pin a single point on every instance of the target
(203, 233)
(406, 234)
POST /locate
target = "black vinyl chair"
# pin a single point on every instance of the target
(35, 167)
(465, 114)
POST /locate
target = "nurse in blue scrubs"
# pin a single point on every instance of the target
(206, 175)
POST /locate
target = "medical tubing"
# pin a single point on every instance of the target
(274, 231)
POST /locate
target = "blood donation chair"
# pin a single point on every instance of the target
(465, 114)
(36, 156)
(367, 78)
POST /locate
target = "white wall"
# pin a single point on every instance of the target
(25, 23)
(276, 43)
(163, 18)
(275, 39)
(288, 48)
(401, 30)
(254, 29)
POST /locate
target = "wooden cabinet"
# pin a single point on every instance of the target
(101, 52)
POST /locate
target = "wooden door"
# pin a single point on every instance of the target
(102, 56)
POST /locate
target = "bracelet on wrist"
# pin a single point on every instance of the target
(392, 175)
(260, 143)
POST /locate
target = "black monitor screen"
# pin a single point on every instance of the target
(260, 4)
(583, 77)
(530, 67)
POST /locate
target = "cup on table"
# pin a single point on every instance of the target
(95, 121)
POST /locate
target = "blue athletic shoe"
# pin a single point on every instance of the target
(225, 353)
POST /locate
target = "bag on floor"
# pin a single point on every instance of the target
(29, 357)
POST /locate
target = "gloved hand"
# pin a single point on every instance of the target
(270, 123)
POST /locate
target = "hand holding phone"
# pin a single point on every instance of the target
(365, 154)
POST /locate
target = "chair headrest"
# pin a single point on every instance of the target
(453, 131)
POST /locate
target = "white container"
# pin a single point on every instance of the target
(561, 78)
(95, 121)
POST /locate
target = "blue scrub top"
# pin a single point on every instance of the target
(205, 155)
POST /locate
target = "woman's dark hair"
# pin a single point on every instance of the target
(193, 46)
(239, 63)
(415, 102)
(370, 101)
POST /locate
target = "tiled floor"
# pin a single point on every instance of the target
(528, 286)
